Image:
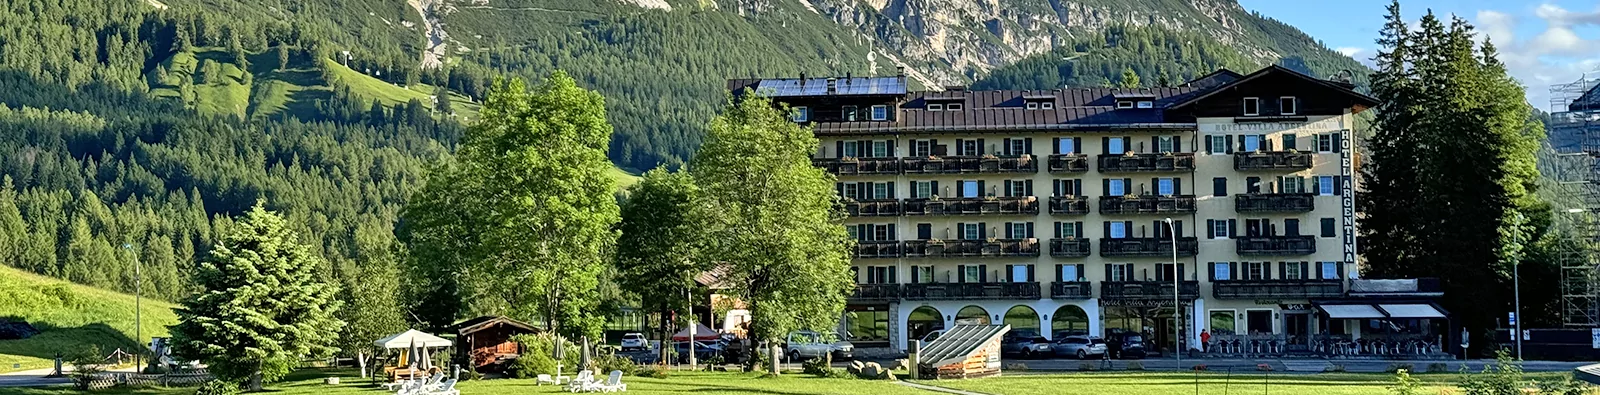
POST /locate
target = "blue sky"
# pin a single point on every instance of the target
(1543, 42)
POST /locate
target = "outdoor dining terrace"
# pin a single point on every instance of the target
(991, 205)
(970, 164)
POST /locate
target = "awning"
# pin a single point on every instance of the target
(701, 332)
(412, 338)
(1351, 311)
(1411, 311)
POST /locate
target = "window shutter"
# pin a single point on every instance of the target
(1211, 271)
(1283, 269)
(1177, 226)
(1027, 188)
(1233, 270)
(1006, 142)
(1266, 270)
(1055, 146)
(916, 274)
(983, 273)
(1319, 270)
(1211, 230)
(891, 189)
(839, 188)
(933, 145)
(982, 191)
(1105, 187)
(1007, 277)
(933, 187)
(1029, 227)
(1290, 141)
(838, 147)
(1056, 188)
(1155, 144)
(1177, 144)
(1027, 145)
(1209, 148)
(1078, 226)
(1338, 143)
(1316, 185)
(1155, 185)
(1127, 271)
(1077, 146)
(961, 148)
(1233, 228)
(1008, 187)
(983, 231)
(1230, 143)
(1058, 229)
(1030, 274)
(961, 273)
(893, 235)
(1303, 266)
(892, 152)
(1106, 233)
(1105, 145)
(1009, 234)
(961, 231)
(1177, 186)
(982, 149)
(1127, 186)
(892, 278)
(1108, 272)
(1128, 225)
(1077, 188)
(1059, 273)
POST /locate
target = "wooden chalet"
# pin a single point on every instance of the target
(488, 339)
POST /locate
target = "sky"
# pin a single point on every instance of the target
(1542, 42)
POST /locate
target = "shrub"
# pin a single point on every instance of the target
(816, 367)
(607, 363)
(1437, 368)
(1395, 368)
(217, 387)
(469, 374)
(1505, 377)
(654, 372)
(86, 364)
(1404, 384)
(531, 365)
(1565, 386)
(1135, 365)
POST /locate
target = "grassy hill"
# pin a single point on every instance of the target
(70, 317)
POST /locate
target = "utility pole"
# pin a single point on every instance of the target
(138, 308)
(1177, 309)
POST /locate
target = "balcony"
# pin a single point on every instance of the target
(1020, 205)
(1069, 163)
(1071, 205)
(1277, 289)
(877, 249)
(972, 248)
(1147, 204)
(971, 291)
(1148, 246)
(970, 164)
(1165, 161)
(875, 293)
(1076, 247)
(855, 166)
(872, 207)
(1071, 290)
(1156, 290)
(1274, 202)
(1272, 160)
(1275, 245)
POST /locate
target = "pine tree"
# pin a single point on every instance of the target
(283, 57)
(1130, 79)
(441, 102)
(263, 307)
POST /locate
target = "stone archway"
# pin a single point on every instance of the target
(1070, 320)
(973, 315)
(922, 321)
(1023, 318)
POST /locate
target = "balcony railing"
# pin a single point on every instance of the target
(972, 248)
(872, 207)
(1071, 290)
(1275, 245)
(1028, 205)
(1069, 205)
(877, 249)
(1272, 160)
(1147, 204)
(875, 293)
(1277, 289)
(1157, 290)
(854, 166)
(1274, 202)
(970, 164)
(1165, 161)
(970, 291)
(1069, 163)
(1077, 247)
(1148, 246)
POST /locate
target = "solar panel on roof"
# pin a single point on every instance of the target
(842, 86)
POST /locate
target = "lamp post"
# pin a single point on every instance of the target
(1516, 283)
(138, 309)
(1177, 309)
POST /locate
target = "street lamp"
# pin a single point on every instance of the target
(138, 310)
(1177, 309)
(1516, 283)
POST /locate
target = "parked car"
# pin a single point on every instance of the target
(1082, 347)
(634, 341)
(1024, 344)
(931, 336)
(808, 344)
(702, 350)
(1127, 345)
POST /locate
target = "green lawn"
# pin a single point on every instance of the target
(1140, 383)
(70, 316)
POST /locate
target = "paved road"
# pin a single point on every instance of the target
(1290, 365)
(37, 377)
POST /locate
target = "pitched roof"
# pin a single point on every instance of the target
(1369, 101)
(484, 322)
(959, 342)
(1215, 79)
(1073, 109)
(715, 278)
(792, 87)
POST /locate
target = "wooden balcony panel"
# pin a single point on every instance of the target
(1147, 162)
(1069, 163)
(1275, 245)
(878, 249)
(972, 291)
(970, 164)
(1018, 205)
(872, 207)
(858, 166)
(1069, 205)
(1272, 160)
(1274, 202)
(1148, 290)
(1071, 290)
(1076, 247)
(1147, 204)
(1147, 246)
(1277, 289)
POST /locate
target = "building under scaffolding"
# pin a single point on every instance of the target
(1574, 133)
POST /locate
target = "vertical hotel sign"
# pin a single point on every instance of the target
(1347, 193)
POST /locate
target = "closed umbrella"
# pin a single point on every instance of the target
(584, 363)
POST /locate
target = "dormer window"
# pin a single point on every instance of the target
(880, 112)
(800, 114)
(935, 107)
(1146, 104)
(1287, 105)
(1252, 106)
(1033, 105)
(953, 107)
(1121, 104)
(1047, 106)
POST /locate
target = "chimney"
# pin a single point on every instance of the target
(900, 74)
(833, 85)
(802, 79)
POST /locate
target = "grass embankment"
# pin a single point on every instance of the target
(1143, 383)
(70, 317)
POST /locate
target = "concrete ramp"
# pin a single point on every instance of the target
(1589, 373)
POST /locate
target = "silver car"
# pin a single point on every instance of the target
(808, 344)
(1081, 347)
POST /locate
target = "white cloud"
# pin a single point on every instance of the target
(1497, 25)
(1348, 51)
(1557, 54)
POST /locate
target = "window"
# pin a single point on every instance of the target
(1219, 186)
(952, 107)
(1260, 321)
(1222, 271)
(1293, 271)
(1222, 322)
(1017, 147)
(1252, 106)
(969, 189)
(1252, 185)
(1119, 230)
(1047, 106)
(1125, 104)
(1115, 188)
(850, 150)
(1220, 229)
(921, 189)
(880, 149)
(1019, 273)
(971, 232)
(1327, 227)
(1067, 146)
(972, 272)
(1290, 141)
(852, 190)
(935, 107)
(1325, 185)
(1256, 270)
(967, 147)
(1324, 143)
(878, 275)
(924, 231)
(1067, 230)
(1219, 144)
(1164, 187)
(1066, 188)
(921, 148)
(849, 113)
(1019, 188)
(1330, 270)
(1252, 143)
(1033, 105)
(1147, 104)
(1291, 227)
(925, 275)
(881, 233)
(1069, 273)
(1116, 146)
(880, 190)
(880, 112)
(1294, 184)
(1017, 230)
(1286, 105)
(800, 114)
(1119, 271)
(867, 326)
(1166, 144)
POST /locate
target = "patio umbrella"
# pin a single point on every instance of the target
(584, 361)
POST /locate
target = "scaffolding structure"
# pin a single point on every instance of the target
(1574, 133)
